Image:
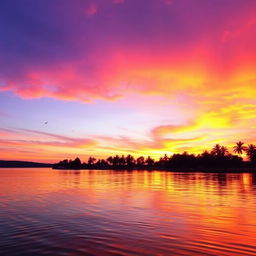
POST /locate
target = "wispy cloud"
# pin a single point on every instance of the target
(190, 62)
(113, 54)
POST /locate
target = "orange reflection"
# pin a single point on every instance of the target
(205, 213)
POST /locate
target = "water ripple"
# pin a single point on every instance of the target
(126, 213)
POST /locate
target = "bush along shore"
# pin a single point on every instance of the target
(217, 159)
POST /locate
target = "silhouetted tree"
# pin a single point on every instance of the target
(116, 160)
(140, 161)
(122, 160)
(91, 160)
(165, 158)
(130, 161)
(219, 157)
(239, 148)
(110, 160)
(223, 151)
(76, 164)
(149, 161)
(216, 150)
(251, 152)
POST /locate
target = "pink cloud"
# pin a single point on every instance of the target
(113, 55)
(197, 55)
(24, 137)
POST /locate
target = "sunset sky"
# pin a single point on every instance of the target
(141, 77)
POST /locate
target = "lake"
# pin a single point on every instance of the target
(61, 212)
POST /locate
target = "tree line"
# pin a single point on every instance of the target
(218, 157)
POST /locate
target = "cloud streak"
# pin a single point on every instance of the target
(191, 62)
(181, 46)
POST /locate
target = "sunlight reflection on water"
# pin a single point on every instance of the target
(46, 212)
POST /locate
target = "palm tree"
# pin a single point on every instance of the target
(223, 151)
(251, 151)
(216, 150)
(219, 150)
(239, 148)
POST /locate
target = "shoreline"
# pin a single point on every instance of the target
(205, 170)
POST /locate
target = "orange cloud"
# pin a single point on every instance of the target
(195, 69)
(114, 54)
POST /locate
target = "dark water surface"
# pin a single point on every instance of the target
(46, 212)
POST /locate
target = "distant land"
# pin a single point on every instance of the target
(22, 164)
(217, 159)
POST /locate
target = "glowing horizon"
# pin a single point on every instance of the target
(142, 77)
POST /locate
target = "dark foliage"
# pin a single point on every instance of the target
(218, 158)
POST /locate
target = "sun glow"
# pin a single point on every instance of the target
(176, 79)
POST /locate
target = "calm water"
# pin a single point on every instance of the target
(46, 212)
